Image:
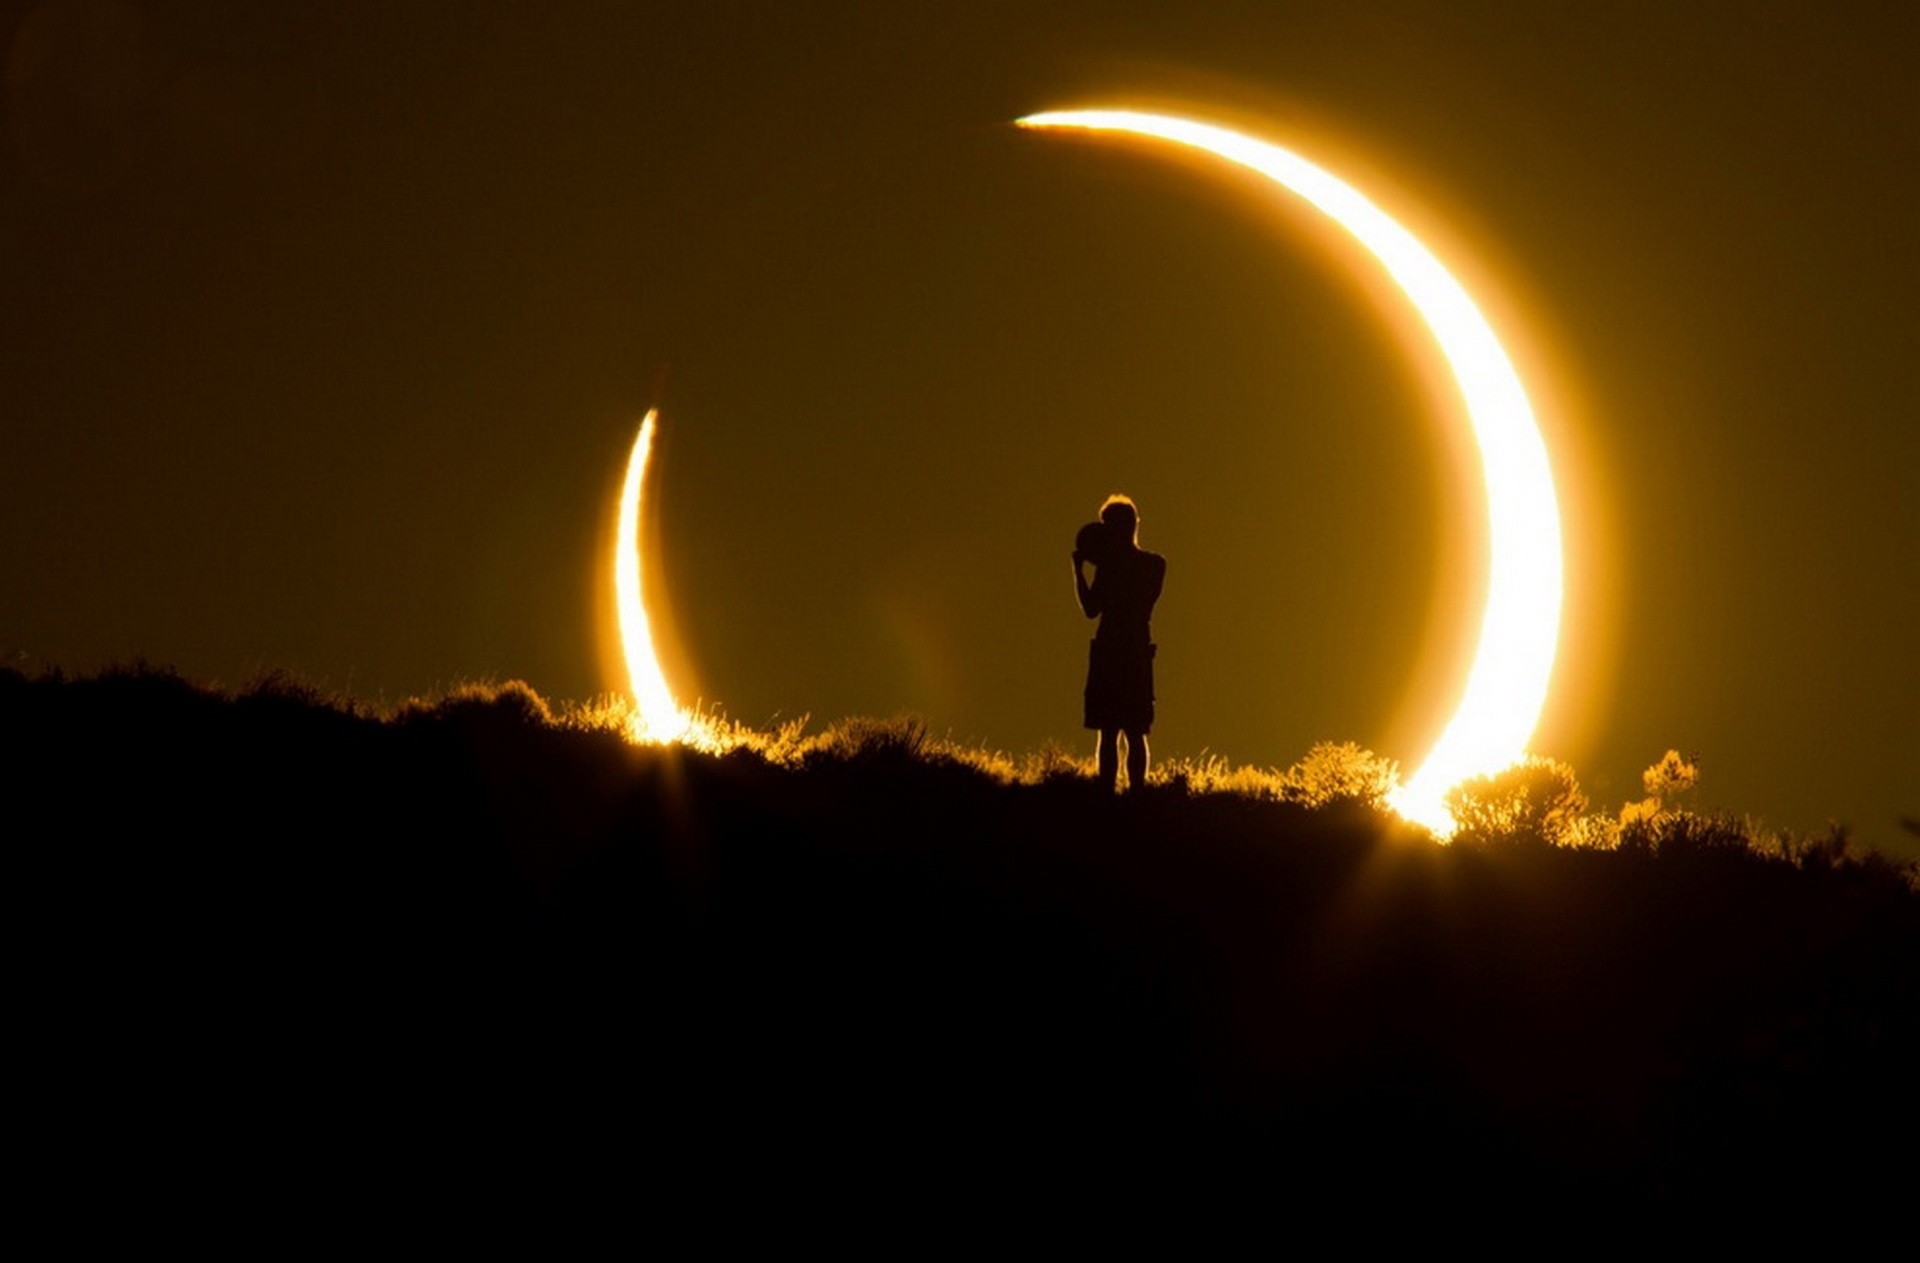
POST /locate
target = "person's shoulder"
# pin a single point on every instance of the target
(1155, 560)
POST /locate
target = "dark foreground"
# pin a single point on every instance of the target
(267, 945)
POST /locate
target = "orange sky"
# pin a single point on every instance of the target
(323, 332)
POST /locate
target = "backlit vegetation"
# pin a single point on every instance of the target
(493, 916)
(1537, 802)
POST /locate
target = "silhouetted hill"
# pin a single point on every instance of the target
(292, 935)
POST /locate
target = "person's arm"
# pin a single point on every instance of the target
(1089, 599)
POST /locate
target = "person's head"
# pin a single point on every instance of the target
(1122, 518)
(1094, 542)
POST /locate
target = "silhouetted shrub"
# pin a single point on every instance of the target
(1535, 800)
(1676, 832)
(861, 739)
(1671, 776)
(1819, 850)
(512, 704)
(280, 685)
(1340, 772)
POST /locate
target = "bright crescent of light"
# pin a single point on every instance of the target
(657, 717)
(1507, 685)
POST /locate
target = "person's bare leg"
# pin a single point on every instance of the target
(1136, 760)
(1109, 757)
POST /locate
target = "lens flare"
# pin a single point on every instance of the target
(1520, 627)
(656, 716)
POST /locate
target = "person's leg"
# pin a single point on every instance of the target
(1136, 760)
(1109, 756)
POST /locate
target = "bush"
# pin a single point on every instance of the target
(1671, 776)
(1340, 772)
(513, 704)
(867, 740)
(1535, 800)
(1682, 832)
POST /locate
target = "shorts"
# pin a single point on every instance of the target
(1120, 686)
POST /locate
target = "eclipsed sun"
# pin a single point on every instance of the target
(1506, 686)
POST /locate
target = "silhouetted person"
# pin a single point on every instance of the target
(1126, 583)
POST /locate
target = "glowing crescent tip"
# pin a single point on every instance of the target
(657, 717)
(1507, 685)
